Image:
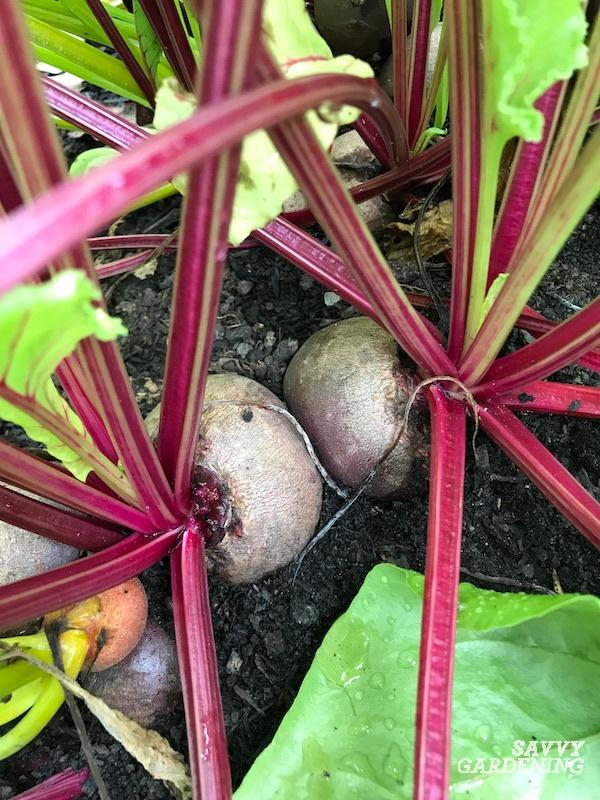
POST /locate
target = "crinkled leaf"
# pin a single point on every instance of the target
(39, 326)
(527, 668)
(265, 181)
(289, 32)
(528, 46)
(149, 43)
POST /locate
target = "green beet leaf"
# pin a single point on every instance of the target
(39, 326)
(97, 156)
(149, 43)
(527, 46)
(527, 672)
(81, 11)
(264, 180)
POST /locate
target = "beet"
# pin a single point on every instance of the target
(113, 620)
(24, 554)
(146, 683)
(256, 488)
(348, 390)
(123, 615)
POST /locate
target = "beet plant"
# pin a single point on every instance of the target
(513, 72)
(162, 87)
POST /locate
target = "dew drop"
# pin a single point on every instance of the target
(360, 765)
(358, 695)
(389, 723)
(394, 764)
(377, 680)
(483, 733)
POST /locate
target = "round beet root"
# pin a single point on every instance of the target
(256, 487)
(146, 683)
(348, 391)
(24, 554)
(121, 621)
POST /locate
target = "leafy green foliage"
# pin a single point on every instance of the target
(66, 52)
(149, 43)
(527, 667)
(527, 46)
(265, 182)
(81, 11)
(40, 325)
(97, 156)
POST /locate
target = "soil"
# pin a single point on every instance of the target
(267, 633)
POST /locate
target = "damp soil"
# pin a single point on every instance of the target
(267, 633)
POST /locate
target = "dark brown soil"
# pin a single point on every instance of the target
(266, 634)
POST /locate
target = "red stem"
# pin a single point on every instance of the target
(129, 434)
(375, 141)
(207, 742)
(65, 786)
(400, 57)
(464, 86)
(120, 45)
(526, 175)
(440, 600)
(310, 255)
(24, 470)
(419, 48)
(31, 598)
(71, 374)
(552, 351)
(543, 469)
(10, 197)
(548, 397)
(165, 21)
(91, 116)
(231, 29)
(58, 524)
(536, 324)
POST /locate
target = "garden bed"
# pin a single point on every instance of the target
(266, 634)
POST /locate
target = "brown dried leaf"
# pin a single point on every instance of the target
(435, 234)
(147, 746)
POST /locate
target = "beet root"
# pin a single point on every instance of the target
(113, 620)
(146, 683)
(24, 554)
(349, 392)
(256, 488)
